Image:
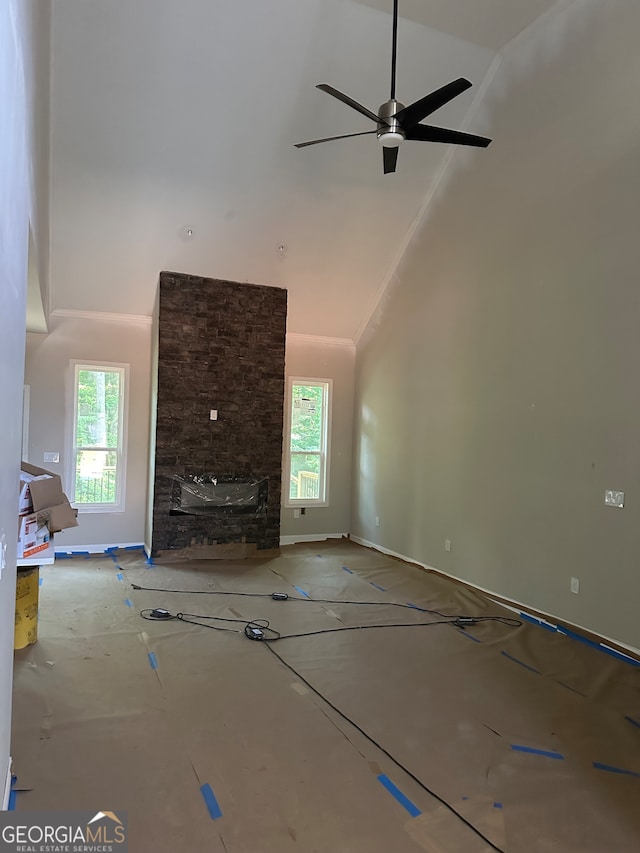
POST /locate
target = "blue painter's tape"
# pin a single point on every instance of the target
(525, 665)
(415, 607)
(111, 549)
(13, 795)
(149, 561)
(134, 548)
(598, 646)
(128, 602)
(611, 769)
(347, 569)
(210, 801)
(120, 576)
(80, 553)
(545, 753)
(466, 634)
(302, 592)
(153, 660)
(377, 586)
(538, 622)
(40, 581)
(497, 805)
(633, 722)
(395, 792)
(62, 555)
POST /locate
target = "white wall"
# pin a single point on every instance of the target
(48, 373)
(15, 203)
(497, 389)
(319, 358)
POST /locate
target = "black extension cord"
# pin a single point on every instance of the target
(462, 621)
(259, 630)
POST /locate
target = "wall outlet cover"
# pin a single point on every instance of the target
(613, 498)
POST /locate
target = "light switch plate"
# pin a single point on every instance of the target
(613, 498)
(51, 456)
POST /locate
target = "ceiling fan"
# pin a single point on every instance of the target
(395, 122)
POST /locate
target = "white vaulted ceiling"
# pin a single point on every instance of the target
(175, 113)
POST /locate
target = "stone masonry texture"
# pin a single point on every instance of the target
(221, 346)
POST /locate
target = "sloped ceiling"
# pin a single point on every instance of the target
(168, 116)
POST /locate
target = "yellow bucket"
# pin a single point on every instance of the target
(26, 626)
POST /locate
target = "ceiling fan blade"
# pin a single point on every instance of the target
(324, 87)
(331, 138)
(428, 133)
(411, 115)
(390, 158)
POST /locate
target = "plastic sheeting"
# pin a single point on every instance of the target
(202, 494)
(213, 744)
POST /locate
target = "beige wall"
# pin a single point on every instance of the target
(318, 358)
(48, 374)
(497, 391)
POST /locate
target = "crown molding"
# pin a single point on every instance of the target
(294, 337)
(103, 316)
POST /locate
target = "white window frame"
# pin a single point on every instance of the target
(121, 450)
(324, 452)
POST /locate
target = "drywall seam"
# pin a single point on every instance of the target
(510, 603)
(426, 204)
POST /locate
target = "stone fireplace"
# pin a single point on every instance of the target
(219, 418)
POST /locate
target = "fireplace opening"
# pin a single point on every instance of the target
(208, 494)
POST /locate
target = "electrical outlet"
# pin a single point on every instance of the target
(613, 498)
(51, 456)
(575, 585)
(296, 513)
(447, 544)
(377, 521)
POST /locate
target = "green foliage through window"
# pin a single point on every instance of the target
(307, 448)
(97, 437)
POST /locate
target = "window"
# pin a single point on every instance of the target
(98, 437)
(308, 440)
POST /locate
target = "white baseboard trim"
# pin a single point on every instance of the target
(96, 549)
(310, 537)
(510, 603)
(7, 788)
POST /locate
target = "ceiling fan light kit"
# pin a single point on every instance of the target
(395, 122)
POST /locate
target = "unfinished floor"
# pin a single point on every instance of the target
(213, 743)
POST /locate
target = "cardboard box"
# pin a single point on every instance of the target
(45, 494)
(25, 502)
(33, 534)
(26, 624)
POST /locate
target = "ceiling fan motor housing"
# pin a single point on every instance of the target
(390, 132)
